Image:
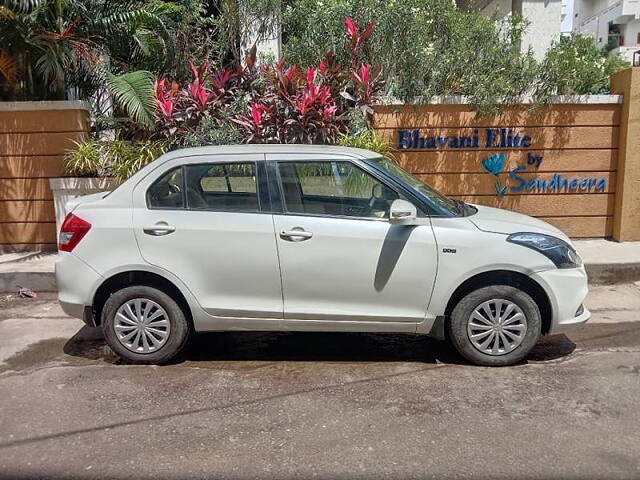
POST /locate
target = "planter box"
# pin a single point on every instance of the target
(67, 188)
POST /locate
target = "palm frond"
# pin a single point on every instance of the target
(130, 19)
(24, 6)
(51, 65)
(133, 92)
(147, 42)
(145, 19)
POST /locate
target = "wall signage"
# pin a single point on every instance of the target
(494, 164)
(478, 138)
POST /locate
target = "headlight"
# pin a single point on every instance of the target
(558, 251)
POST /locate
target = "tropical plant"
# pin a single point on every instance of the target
(50, 49)
(218, 130)
(424, 48)
(85, 160)
(133, 91)
(274, 103)
(115, 158)
(126, 158)
(368, 140)
(180, 110)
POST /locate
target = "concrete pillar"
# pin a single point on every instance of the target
(626, 218)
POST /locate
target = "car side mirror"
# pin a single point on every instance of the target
(403, 213)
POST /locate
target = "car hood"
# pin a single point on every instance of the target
(507, 222)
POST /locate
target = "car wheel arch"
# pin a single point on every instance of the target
(505, 277)
(129, 278)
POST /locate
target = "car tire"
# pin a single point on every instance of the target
(151, 313)
(519, 323)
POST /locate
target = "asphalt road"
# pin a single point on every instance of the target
(280, 405)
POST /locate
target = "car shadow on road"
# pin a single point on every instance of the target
(88, 343)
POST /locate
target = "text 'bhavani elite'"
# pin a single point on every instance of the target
(485, 138)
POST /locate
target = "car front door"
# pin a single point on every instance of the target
(340, 258)
(204, 223)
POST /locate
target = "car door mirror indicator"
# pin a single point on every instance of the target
(403, 213)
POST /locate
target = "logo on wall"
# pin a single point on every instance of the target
(510, 139)
(494, 164)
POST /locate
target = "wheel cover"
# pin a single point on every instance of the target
(497, 327)
(141, 325)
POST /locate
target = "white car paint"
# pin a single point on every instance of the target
(237, 272)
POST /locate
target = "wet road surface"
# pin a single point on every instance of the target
(298, 405)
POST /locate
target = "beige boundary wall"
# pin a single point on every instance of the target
(593, 140)
(33, 139)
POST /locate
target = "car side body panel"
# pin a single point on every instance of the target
(444, 254)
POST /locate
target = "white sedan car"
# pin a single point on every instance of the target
(309, 238)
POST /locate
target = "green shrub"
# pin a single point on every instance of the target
(424, 47)
(368, 140)
(115, 158)
(576, 66)
(211, 131)
(84, 160)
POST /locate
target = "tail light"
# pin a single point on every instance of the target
(72, 231)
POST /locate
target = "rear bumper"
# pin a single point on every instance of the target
(76, 283)
(566, 289)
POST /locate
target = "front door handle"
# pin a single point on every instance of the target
(296, 234)
(159, 229)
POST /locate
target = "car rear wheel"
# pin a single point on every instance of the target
(495, 325)
(144, 325)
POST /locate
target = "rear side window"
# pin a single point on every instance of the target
(227, 187)
(166, 192)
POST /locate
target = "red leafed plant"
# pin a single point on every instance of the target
(179, 110)
(282, 103)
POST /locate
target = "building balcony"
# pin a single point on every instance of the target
(626, 11)
(626, 52)
(623, 11)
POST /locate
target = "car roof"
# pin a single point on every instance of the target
(268, 148)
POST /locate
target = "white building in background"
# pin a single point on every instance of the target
(610, 22)
(566, 17)
(544, 17)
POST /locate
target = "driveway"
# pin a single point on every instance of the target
(294, 405)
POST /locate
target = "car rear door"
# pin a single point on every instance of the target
(340, 259)
(206, 222)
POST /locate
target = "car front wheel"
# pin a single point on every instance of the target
(495, 325)
(144, 325)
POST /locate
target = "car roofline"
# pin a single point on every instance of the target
(249, 149)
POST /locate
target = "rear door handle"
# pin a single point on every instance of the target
(159, 229)
(296, 234)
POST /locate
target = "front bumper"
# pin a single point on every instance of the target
(566, 288)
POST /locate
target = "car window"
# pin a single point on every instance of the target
(166, 192)
(334, 188)
(222, 187)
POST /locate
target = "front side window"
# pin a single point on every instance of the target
(443, 204)
(222, 187)
(334, 188)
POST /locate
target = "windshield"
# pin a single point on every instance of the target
(448, 205)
